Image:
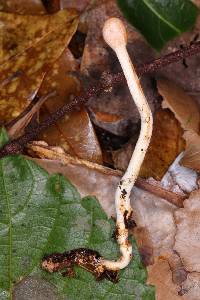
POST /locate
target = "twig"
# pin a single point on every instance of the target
(159, 191)
(17, 145)
(52, 153)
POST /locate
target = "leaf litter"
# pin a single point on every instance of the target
(156, 244)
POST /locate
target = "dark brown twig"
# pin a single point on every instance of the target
(17, 145)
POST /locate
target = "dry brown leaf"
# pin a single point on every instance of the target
(22, 75)
(17, 128)
(190, 288)
(184, 107)
(33, 7)
(160, 276)
(166, 143)
(187, 242)
(156, 215)
(191, 158)
(144, 245)
(74, 132)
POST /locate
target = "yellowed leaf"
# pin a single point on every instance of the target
(22, 75)
(19, 32)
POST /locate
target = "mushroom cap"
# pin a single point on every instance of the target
(114, 33)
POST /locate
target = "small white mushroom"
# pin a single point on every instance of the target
(114, 34)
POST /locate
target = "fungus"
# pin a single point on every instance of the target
(115, 36)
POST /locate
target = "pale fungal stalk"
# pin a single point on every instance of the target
(115, 36)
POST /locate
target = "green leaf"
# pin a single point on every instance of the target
(159, 20)
(41, 214)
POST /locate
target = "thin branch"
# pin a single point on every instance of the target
(17, 145)
(49, 152)
(159, 191)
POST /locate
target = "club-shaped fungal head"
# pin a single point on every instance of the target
(114, 33)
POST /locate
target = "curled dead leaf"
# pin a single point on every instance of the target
(17, 126)
(184, 107)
